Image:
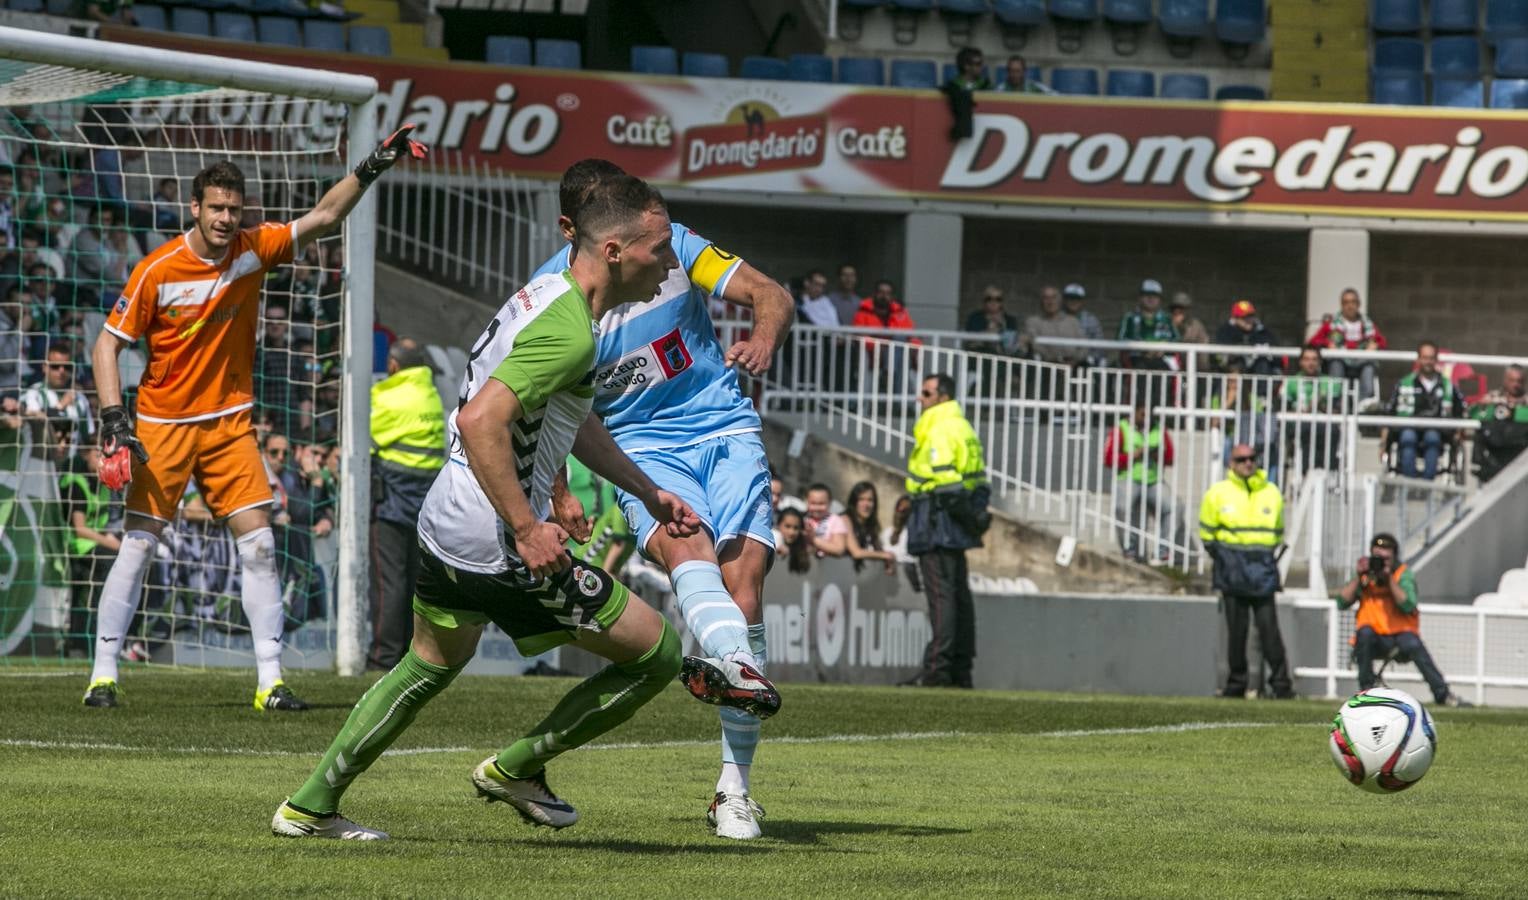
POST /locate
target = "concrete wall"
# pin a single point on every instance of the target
(415, 307)
(1464, 292)
(1492, 538)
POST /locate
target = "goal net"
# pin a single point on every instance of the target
(99, 144)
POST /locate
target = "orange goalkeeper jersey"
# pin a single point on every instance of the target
(201, 319)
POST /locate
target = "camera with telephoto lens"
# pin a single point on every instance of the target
(1379, 569)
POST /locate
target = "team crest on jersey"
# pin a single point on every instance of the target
(121, 304)
(673, 356)
(588, 582)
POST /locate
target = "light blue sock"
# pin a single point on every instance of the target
(715, 621)
(740, 731)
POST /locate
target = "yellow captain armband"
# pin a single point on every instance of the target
(710, 267)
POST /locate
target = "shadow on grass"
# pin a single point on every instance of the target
(806, 831)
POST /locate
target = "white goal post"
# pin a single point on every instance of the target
(41, 68)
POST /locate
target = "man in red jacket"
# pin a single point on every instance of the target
(881, 310)
(1351, 330)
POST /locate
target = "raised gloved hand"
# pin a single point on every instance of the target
(119, 447)
(382, 158)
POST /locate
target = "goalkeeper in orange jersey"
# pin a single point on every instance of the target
(196, 299)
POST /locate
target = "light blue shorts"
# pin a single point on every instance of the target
(725, 480)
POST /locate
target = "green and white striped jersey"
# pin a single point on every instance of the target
(540, 345)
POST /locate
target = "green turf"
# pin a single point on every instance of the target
(174, 792)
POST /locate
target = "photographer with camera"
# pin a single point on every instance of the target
(1386, 594)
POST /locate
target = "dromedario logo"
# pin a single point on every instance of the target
(753, 137)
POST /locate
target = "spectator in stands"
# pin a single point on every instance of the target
(781, 499)
(43, 297)
(34, 248)
(10, 207)
(14, 372)
(168, 210)
(864, 537)
(792, 542)
(1350, 329)
(1425, 393)
(307, 517)
(813, 306)
(1138, 450)
(1017, 80)
(994, 320)
(1052, 322)
(845, 296)
(1245, 329)
(970, 75)
(105, 252)
(894, 539)
(1503, 417)
(1074, 298)
(1147, 322)
(1241, 522)
(107, 12)
(1314, 445)
(1387, 619)
(882, 310)
(1190, 329)
(92, 546)
(828, 531)
(57, 397)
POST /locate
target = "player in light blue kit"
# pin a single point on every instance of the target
(669, 396)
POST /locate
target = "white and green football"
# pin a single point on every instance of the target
(1383, 740)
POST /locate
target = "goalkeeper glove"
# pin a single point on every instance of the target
(382, 158)
(119, 447)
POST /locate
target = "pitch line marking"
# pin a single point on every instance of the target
(1177, 728)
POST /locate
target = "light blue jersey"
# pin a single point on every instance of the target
(660, 381)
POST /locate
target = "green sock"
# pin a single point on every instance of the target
(382, 713)
(599, 704)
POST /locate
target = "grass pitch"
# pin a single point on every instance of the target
(870, 792)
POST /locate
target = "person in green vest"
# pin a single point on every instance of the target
(87, 510)
(1503, 417)
(1313, 445)
(1138, 450)
(1425, 393)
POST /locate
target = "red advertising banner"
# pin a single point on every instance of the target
(729, 134)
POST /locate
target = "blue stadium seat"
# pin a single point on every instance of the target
(233, 26)
(276, 30)
(914, 73)
(1185, 18)
(318, 34)
(964, 7)
(1398, 88)
(1445, 16)
(1506, 19)
(1083, 82)
(371, 40)
(764, 68)
(1183, 86)
(185, 20)
(1399, 55)
(292, 8)
(554, 53)
(1074, 10)
(1512, 58)
(704, 65)
(1128, 12)
(63, 8)
(507, 50)
(1466, 92)
(1241, 92)
(1019, 12)
(1240, 21)
(31, 6)
(650, 60)
(1456, 55)
(1395, 16)
(1509, 93)
(151, 17)
(809, 67)
(861, 70)
(1130, 83)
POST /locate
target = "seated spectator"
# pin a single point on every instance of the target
(34, 248)
(1350, 329)
(845, 296)
(894, 539)
(1074, 298)
(970, 75)
(1190, 329)
(1314, 445)
(1138, 450)
(1245, 329)
(306, 516)
(791, 541)
(42, 297)
(58, 398)
(1503, 417)
(14, 372)
(864, 537)
(1018, 80)
(994, 320)
(813, 306)
(1425, 393)
(882, 310)
(1253, 401)
(169, 212)
(1052, 322)
(1147, 322)
(828, 532)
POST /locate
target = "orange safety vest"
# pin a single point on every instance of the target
(1377, 609)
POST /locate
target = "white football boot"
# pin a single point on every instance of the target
(735, 816)
(289, 822)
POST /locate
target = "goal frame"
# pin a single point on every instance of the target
(358, 93)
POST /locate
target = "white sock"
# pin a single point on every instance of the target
(734, 779)
(260, 589)
(709, 612)
(119, 600)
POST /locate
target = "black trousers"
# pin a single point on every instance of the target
(1240, 612)
(952, 617)
(394, 569)
(1369, 645)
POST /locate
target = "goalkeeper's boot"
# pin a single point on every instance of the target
(280, 698)
(102, 693)
(722, 682)
(529, 796)
(735, 816)
(291, 822)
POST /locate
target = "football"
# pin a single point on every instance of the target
(1383, 740)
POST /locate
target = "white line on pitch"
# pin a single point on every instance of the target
(664, 745)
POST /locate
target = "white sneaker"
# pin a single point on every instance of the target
(735, 816)
(529, 796)
(722, 682)
(289, 822)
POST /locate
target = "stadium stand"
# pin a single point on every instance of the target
(809, 67)
(1126, 19)
(555, 53)
(507, 50)
(1183, 86)
(913, 73)
(1466, 92)
(1400, 88)
(1239, 24)
(704, 65)
(861, 70)
(649, 60)
(1184, 22)
(1074, 81)
(372, 40)
(1506, 19)
(1509, 93)
(278, 30)
(1071, 17)
(1130, 83)
(151, 17)
(318, 35)
(1512, 58)
(195, 22)
(1458, 55)
(1395, 16)
(1240, 92)
(1451, 16)
(764, 68)
(234, 26)
(1016, 18)
(1392, 55)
